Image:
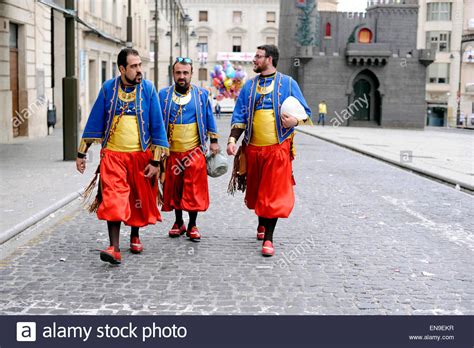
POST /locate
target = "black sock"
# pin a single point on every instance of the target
(134, 232)
(261, 221)
(179, 217)
(114, 234)
(269, 228)
(192, 219)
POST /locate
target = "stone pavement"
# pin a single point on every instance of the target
(446, 154)
(365, 237)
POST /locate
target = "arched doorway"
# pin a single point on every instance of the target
(365, 100)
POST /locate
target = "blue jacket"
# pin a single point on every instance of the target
(244, 109)
(205, 118)
(150, 119)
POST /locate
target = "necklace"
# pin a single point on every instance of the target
(127, 97)
(266, 89)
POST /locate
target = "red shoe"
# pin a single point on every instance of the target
(110, 255)
(260, 232)
(176, 231)
(136, 246)
(194, 234)
(267, 248)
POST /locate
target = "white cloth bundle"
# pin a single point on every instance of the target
(292, 107)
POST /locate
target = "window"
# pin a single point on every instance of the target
(328, 30)
(104, 71)
(202, 44)
(271, 17)
(271, 40)
(13, 35)
(365, 36)
(237, 17)
(439, 11)
(438, 73)
(203, 74)
(439, 40)
(202, 16)
(236, 44)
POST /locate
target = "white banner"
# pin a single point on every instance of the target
(235, 56)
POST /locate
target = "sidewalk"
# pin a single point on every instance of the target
(445, 154)
(34, 177)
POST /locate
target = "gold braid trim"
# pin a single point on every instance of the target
(159, 152)
(305, 122)
(213, 135)
(239, 125)
(86, 143)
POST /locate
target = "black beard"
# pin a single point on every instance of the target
(182, 89)
(257, 69)
(132, 82)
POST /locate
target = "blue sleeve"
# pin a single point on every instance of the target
(161, 99)
(211, 122)
(240, 114)
(296, 92)
(95, 125)
(157, 128)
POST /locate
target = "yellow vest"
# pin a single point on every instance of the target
(126, 137)
(264, 131)
(185, 137)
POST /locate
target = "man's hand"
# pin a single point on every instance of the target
(151, 171)
(231, 149)
(288, 121)
(214, 148)
(81, 165)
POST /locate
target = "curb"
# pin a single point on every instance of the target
(426, 173)
(18, 228)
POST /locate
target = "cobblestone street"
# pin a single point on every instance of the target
(365, 237)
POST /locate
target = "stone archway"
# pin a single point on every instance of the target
(365, 99)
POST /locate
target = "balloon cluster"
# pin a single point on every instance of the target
(228, 80)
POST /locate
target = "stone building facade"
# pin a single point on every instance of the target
(366, 66)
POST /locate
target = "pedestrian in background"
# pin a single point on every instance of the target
(189, 122)
(267, 145)
(126, 120)
(323, 110)
(218, 110)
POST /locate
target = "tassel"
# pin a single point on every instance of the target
(238, 180)
(92, 207)
(159, 198)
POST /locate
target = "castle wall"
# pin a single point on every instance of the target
(324, 73)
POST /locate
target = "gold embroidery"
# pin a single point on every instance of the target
(266, 89)
(127, 97)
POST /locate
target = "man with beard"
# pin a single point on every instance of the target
(268, 142)
(126, 119)
(189, 122)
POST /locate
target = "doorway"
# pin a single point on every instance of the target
(19, 121)
(365, 100)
